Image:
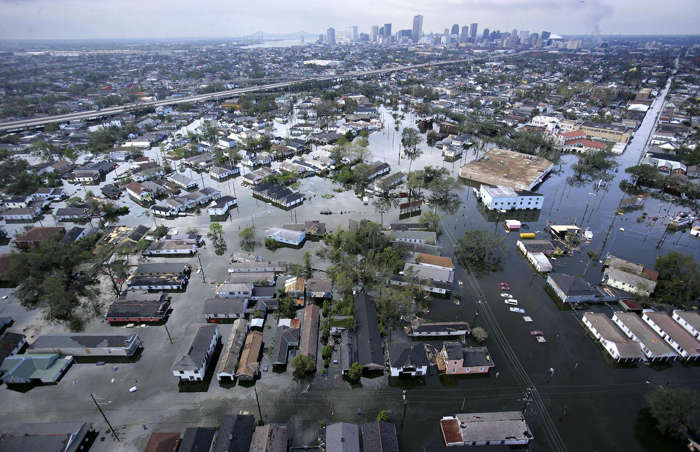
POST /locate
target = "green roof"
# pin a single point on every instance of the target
(28, 367)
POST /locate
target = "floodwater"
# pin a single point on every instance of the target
(591, 402)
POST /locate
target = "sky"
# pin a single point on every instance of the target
(90, 19)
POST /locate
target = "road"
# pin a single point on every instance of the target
(14, 126)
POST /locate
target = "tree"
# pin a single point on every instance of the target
(303, 365)
(308, 271)
(433, 220)
(479, 334)
(217, 237)
(479, 250)
(442, 194)
(361, 173)
(410, 139)
(327, 351)
(355, 372)
(679, 279)
(161, 231)
(117, 273)
(247, 238)
(676, 411)
(383, 416)
(383, 203)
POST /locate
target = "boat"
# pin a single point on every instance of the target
(518, 310)
(682, 220)
(506, 295)
(326, 212)
(511, 302)
(527, 318)
(587, 234)
(536, 333)
(541, 339)
(504, 288)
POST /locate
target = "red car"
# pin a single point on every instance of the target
(536, 333)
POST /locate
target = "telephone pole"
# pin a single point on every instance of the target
(105, 417)
(201, 268)
(168, 333)
(258, 402)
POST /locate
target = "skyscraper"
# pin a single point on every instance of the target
(464, 36)
(355, 34)
(374, 33)
(545, 35)
(417, 27)
(455, 29)
(486, 34)
(330, 36)
(387, 32)
(472, 31)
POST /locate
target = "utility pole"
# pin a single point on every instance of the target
(168, 333)
(201, 267)
(105, 417)
(258, 402)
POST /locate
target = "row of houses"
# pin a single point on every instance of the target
(653, 336)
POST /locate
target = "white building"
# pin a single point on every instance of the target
(193, 365)
(235, 290)
(673, 333)
(286, 236)
(611, 338)
(689, 320)
(505, 198)
(507, 428)
(222, 206)
(653, 347)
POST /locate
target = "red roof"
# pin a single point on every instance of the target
(573, 134)
(588, 143)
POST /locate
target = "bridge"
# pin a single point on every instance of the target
(16, 126)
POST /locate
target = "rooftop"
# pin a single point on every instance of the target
(500, 167)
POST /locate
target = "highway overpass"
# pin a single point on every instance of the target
(15, 126)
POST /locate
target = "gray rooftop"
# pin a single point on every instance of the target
(198, 349)
(342, 437)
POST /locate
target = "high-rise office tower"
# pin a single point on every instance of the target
(514, 33)
(472, 31)
(374, 33)
(355, 34)
(387, 32)
(464, 36)
(524, 34)
(330, 36)
(545, 35)
(485, 35)
(455, 29)
(417, 27)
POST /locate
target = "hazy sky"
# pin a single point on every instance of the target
(221, 18)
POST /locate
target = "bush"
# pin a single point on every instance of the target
(479, 334)
(327, 352)
(271, 244)
(303, 365)
(592, 255)
(383, 416)
(355, 372)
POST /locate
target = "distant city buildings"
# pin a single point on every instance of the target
(417, 27)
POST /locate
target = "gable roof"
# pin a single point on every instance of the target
(369, 341)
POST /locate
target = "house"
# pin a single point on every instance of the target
(226, 371)
(74, 234)
(572, 289)
(183, 181)
(160, 276)
(286, 236)
(163, 442)
(666, 164)
(506, 198)
(37, 235)
(286, 338)
(294, 287)
(197, 439)
(379, 436)
(257, 267)
(139, 193)
(319, 288)
(629, 276)
(429, 272)
(408, 359)
(220, 174)
(608, 132)
(377, 169)
(278, 195)
(368, 339)
(432, 260)
(308, 342)
(72, 214)
(611, 338)
(439, 329)
(34, 369)
(420, 237)
(342, 437)
(22, 214)
(86, 176)
(690, 320)
(164, 211)
(136, 307)
(19, 201)
(584, 145)
(169, 247)
(507, 428)
(536, 252)
(228, 290)
(222, 206)
(54, 436)
(248, 364)
(348, 350)
(11, 344)
(653, 346)
(673, 333)
(235, 433)
(86, 344)
(219, 309)
(193, 365)
(456, 359)
(270, 438)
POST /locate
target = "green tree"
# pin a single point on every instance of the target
(383, 416)
(247, 238)
(308, 271)
(217, 237)
(355, 372)
(433, 220)
(302, 365)
(410, 139)
(161, 231)
(327, 351)
(480, 251)
(479, 334)
(679, 279)
(443, 194)
(676, 411)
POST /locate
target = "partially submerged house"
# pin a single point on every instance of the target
(232, 351)
(87, 345)
(456, 359)
(408, 359)
(368, 339)
(508, 428)
(193, 365)
(248, 364)
(611, 338)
